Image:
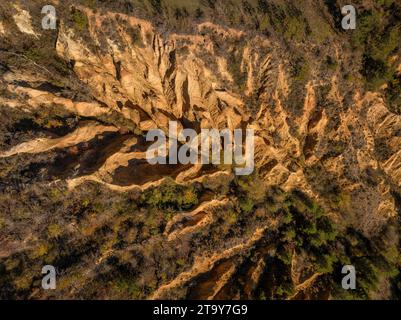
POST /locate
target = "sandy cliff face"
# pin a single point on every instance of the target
(330, 147)
(153, 83)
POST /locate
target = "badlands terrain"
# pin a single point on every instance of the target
(76, 190)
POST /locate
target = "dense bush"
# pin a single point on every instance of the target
(378, 38)
(171, 196)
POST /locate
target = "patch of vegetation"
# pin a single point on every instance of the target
(234, 66)
(136, 36)
(393, 93)
(300, 75)
(129, 287)
(382, 149)
(286, 19)
(80, 20)
(295, 28)
(90, 3)
(157, 5)
(306, 231)
(378, 38)
(331, 63)
(45, 57)
(171, 196)
(301, 71)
